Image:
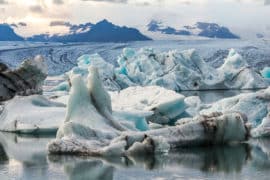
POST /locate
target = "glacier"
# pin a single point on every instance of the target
(90, 128)
(174, 70)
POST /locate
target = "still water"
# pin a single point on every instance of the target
(25, 157)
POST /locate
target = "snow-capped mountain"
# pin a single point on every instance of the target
(8, 34)
(202, 29)
(103, 31)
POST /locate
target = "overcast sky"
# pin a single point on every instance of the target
(35, 16)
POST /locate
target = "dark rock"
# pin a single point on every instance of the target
(25, 80)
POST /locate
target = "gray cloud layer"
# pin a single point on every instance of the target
(58, 2)
(60, 23)
(3, 2)
(36, 9)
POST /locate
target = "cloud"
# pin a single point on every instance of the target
(36, 9)
(110, 1)
(14, 25)
(22, 24)
(19, 24)
(266, 2)
(60, 23)
(3, 2)
(58, 2)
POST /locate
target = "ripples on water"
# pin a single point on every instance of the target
(26, 158)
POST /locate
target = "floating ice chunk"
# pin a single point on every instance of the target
(163, 105)
(253, 105)
(135, 117)
(239, 75)
(32, 114)
(219, 129)
(194, 105)
(81, 112)
(106, 70)
(63, 86)
(266, 72)
(262, 130)
(233, 64)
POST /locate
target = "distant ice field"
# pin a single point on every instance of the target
(62, 57)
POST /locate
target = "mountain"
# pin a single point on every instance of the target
(156, 26)
(103, 31)
(213, 30)
(8, 34)
(202, 29)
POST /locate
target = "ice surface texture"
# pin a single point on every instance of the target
(175, 70)
(25, 80)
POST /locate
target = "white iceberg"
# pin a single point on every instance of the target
(141, 105)
(31, 114)
(254, 105)
(263, 129)
(90, 129)
(158, 104)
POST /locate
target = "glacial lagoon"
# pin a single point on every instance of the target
(26, 157)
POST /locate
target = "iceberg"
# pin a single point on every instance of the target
(159, 104)
(254, 105)
(90, 128)
(33, 114)
(141, 105)
(174, 70)
(263, 129)
(25, 80)
(266, 72)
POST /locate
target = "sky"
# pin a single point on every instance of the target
(50, 16)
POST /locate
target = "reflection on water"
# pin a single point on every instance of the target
(26, 158)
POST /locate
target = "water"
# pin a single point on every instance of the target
(26, 158)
